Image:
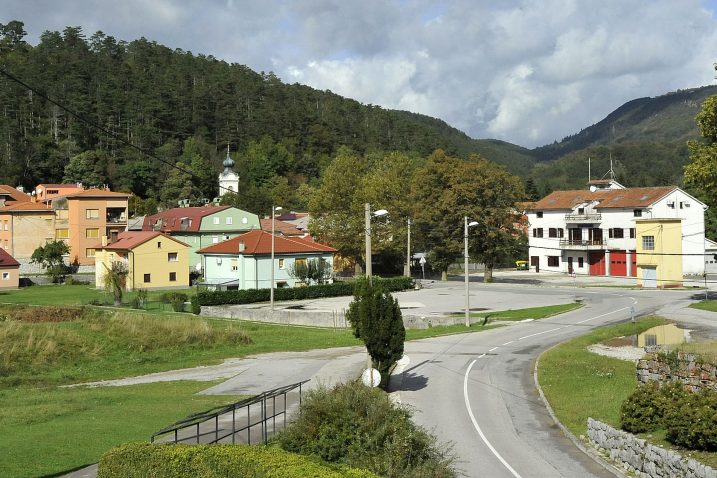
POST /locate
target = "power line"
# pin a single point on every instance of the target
(101, 128)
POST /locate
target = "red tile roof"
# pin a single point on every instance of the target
(6, 260)
(130, 239)
(259, 242)
(95, 193)
(14, 194)
(27, 206)
(172, 217)
(281, 227)
(612, 198)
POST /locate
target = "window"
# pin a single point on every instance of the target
(632, 233)
(216, 220)
(538, 232)
(89, 252)
(300, 263)
(580, 262)
(637, 213)
(92, 233)
(581, 210)
(147, 278)
(92, 213)
(4, 225)
(555, 232)
(671, 204)
(281, 263)
(5, 244)
(616, 233)
(553, 261)
(228, 220)
(159, 244)
(539, 214)
(648, 243)
(235, 264)
(5, 276)
(244, 220)
(61, 214)
(172, 257)
(63, 233)
(172, 277)
(215, 239)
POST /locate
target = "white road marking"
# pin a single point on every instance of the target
(475, 423)
(540, 333)
(508, 343)
(494, 348)
(603, 315)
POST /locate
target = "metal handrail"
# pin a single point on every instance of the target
(581, 242)
(196, 419)
(584, 217)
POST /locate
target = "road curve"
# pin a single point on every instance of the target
(477, 390)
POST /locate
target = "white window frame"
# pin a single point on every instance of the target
(229, 221)
(216, 220)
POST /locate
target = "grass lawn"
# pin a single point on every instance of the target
(438, 330)
(529, 313)
(580, 384)
(46, 431)
(710, 305)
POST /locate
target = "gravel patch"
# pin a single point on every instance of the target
(628, 353)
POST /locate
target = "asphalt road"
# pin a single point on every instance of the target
(477, 390)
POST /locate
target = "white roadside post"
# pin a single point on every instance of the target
(466, 225)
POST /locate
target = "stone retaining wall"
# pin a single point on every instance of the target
(642, 458)
(316, 318)
(685, 368)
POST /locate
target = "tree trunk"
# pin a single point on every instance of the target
(444, 275)
(488, 273)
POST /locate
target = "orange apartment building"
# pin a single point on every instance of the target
(43, 192)
(83, 217)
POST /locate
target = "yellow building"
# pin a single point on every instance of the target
(154, 260)
(659, 252)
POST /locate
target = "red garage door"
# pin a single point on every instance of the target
(634, 263)
(618, 263)
(597, 263)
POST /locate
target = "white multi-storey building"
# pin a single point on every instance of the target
(592, 231)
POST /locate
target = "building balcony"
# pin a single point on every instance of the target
(592, 217)
(590, 245)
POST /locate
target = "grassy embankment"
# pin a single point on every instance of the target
(580, 384)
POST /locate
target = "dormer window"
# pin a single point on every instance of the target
(637, 213)
(581, 210)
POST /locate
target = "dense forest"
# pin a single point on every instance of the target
(185, 110)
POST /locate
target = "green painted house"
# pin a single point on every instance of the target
(202, 226)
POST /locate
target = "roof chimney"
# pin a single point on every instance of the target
(241, 246)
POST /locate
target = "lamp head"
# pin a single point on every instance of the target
(472, 223)
(380, 212)
(278, 208)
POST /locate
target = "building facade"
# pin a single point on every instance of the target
(245, 261)
(659, 253)
(593, 232)
(200, 227)
(154, 260)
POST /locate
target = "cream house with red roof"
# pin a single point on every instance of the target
(154, 260)
(593, 231)
(245, 261)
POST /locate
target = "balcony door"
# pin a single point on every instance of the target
(575, 235)
(595, 235)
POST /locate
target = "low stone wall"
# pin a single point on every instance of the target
(316, 318)
(642, 458)
(685, 368)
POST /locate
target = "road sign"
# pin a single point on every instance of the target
(422, 261)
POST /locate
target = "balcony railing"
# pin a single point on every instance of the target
(581, 244)
(116, 219)
(591, 217)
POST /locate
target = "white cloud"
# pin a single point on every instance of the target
(524, 71)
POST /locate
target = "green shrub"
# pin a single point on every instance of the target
(336, 289)
(170, 297)
(645, 409)
(214, 461)
(692, 423)
(177, 304)
(195, 307)
(359, 426)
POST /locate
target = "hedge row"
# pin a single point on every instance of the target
(214, 461)
(690, 419)
(248, 296)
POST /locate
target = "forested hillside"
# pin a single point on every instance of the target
(158, 99)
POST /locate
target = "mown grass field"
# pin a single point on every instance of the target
(528, 313)
(579, 384)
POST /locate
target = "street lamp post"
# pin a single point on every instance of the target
(367, 228)
(466, 225)
(274, 209)
(408, 250)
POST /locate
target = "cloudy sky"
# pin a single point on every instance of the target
(528, 72)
